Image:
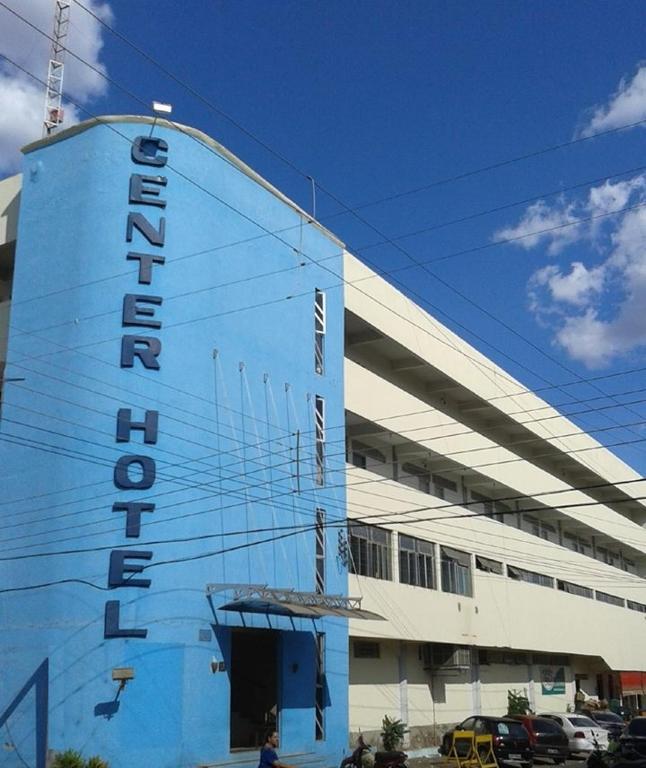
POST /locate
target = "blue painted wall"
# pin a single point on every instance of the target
(236, 382)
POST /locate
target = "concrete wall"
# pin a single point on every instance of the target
(225, 455)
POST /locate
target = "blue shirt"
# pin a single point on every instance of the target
(268, 757)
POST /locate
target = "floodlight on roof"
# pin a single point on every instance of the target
(159, 108)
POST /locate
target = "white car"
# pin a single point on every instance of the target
(583, 734)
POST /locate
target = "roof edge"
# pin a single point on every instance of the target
(196, 134)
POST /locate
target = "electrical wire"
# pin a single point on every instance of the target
(342, 203)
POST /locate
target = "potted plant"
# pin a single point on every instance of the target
(392, 733)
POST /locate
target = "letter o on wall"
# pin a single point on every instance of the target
(122, 477)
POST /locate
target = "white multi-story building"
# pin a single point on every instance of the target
(504, 546)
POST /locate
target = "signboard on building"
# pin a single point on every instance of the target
(552, 681)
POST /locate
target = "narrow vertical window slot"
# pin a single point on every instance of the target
(319, 331)
(319, 414)
(320, 551)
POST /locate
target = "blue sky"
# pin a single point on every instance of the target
(373, 99)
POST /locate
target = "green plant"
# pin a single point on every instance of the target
(96, 762)
(69, 759)
(517, 703)
(73, 759)
(392, 733)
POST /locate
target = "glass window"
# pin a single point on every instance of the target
(416, 562)
(634, 606)
(576, 543)
(444, 488)
(488, 566)
(416, 477)
(319, 417)
(319, 331)
(319, 719)
(371, 551)
(320, 551)
(574, 589)
(604, 597)
(455, 567)
(531, 577)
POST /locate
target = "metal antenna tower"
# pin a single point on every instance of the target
(54, 90)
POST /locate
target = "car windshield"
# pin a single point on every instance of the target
(515, 730)
(581, 722)
(637, 727)
(543, 725)
(607, 717)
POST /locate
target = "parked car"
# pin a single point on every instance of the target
(634, 737)
(608, 720)
(510, 739)
(546, 737)
(583, 734)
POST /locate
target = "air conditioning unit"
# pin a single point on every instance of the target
(442, 656)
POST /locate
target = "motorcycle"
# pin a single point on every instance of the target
(615, 757)
(364, 757)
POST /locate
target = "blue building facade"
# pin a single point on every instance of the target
(179, 328)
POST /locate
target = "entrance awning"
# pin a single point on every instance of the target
(633, 683)
(254, 598)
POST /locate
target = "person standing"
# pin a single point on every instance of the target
(268, 754)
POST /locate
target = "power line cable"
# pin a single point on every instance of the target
(331, 271)
(286, 161)
(341, 202)
(224, 159)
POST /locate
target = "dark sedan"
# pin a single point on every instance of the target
(607, 720)
(546, 738)
(509, 737)
(634, 737)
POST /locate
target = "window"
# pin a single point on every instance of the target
(574, 589)
(455, 567)
(504, 513)
(371, 551)
(607, 556)
(319, 331)
(531, 577)
(358, 459)
(634, 606)
(320, 551)
(576, 543)
(364, 649)
(444, 488)
(540, 528)
(604, 597)
(628, 565)
(319, 718)
(416, 562)
(483, 504)
(364, 456)
(416, 477)
(488, 566)
(319, 415)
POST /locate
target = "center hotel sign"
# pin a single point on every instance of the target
(136, 472)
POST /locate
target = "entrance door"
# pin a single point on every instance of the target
(254, 686)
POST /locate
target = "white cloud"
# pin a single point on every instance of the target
(559, 225)
(542, 223)
(578, 287)
(626, 106)
(595, 305)
(21, 97)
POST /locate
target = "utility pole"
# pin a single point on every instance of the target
(54, 90)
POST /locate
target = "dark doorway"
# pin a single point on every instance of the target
(254, 686)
